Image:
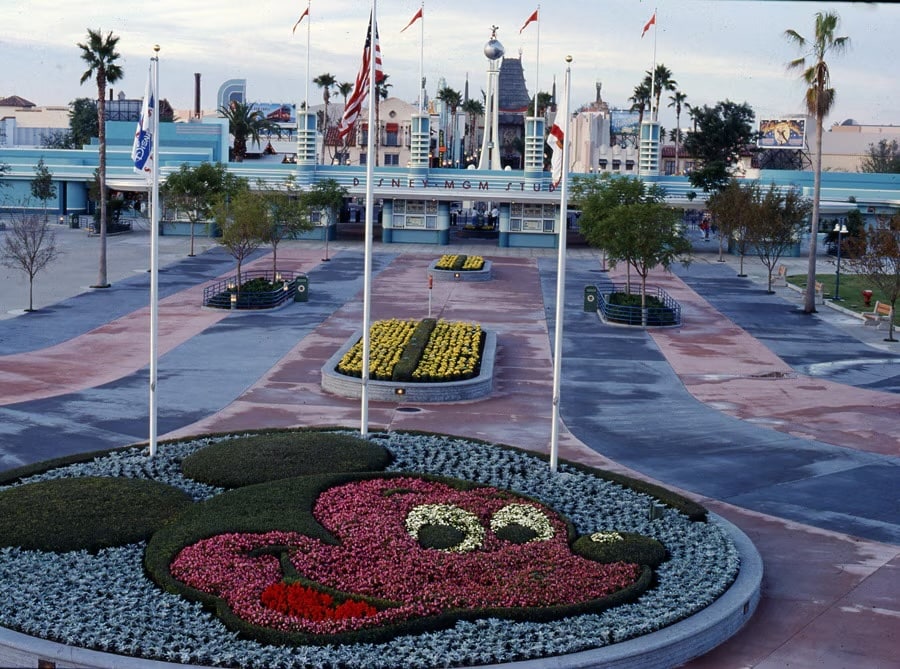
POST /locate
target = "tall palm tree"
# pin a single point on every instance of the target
(819, 99)
(244, 121)
(100, 54)
(473, 109)
(345, 89)
(662, 81)
(676, 100)
(325, 81)
(453, 99)
(640, 99)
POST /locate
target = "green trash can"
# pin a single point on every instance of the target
(301, 292)
(590, 298)
(73, 221)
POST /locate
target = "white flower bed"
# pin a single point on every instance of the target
(105, 601)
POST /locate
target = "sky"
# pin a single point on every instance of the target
(716, 49)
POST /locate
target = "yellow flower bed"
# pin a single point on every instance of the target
(453, 353)
(473, 263)
(446, 261)
(451, 261)
(386, 342)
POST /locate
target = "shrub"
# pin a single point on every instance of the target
(267, 457)
(87, 513)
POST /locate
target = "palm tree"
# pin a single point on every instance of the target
(244, 121)
(640, 99)
(381, 93)
(345, 89)
(662, 81)
(473, 109)
(819, 99)
(676, 100)
(325, 82)
(453, 99)
(100, 54)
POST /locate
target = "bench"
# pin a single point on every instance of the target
(780, 279)
(882, 313)
(820, 293)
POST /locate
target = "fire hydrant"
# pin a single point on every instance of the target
(867, 298)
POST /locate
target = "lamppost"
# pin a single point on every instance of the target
(840, 229)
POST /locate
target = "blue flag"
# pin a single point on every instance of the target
(142, 149)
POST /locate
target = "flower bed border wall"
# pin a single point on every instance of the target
(483, 274)
(387, 391)
(671, 646)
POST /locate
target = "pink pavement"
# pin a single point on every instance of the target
(829, 601)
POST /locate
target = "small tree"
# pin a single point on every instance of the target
(881, 157)
(29, 245)
(195, 190)
(733, 208)
(287, 214)
(325, 197)
(244, 222)
(723, 133)
(877, 256)
(42, 187)
(775, 224)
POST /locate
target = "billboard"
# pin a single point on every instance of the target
(277, 112)
(782, 133)
(623, 122)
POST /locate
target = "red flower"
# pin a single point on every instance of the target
(298, 601)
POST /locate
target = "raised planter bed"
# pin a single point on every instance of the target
(661, 310)
(483, 274)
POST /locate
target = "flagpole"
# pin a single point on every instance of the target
(537, 73)
(422, 61)
(560, 275)
(154, 256)
(370, 212)
(654, 113)
(308, 33)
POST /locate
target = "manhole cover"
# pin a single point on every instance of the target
(409, 409)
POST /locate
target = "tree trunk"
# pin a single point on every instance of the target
(809, 301)
(31, 292)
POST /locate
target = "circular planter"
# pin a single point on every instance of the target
(398, 391)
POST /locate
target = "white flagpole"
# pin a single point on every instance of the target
(370, 213)
(560, 276)
(654, 112)
(154, 254)
(308, 32)
(422, 61)
(537, 59)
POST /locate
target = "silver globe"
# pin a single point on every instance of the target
(494, 50)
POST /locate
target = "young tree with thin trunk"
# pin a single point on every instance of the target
(876, 255)
(244, 222)
(286, 214)
(819, 99)
(100, 54)
(194, 190)
(29, 245)
(775, 223)
(42, 187)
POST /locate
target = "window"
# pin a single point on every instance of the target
(603, 162)
(669, 168)
(629, 165)
(362, 158)
(617, 164)
(391, 159)
(392, 134)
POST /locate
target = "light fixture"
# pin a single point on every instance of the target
(234, 300)
(840, 229)
(399, 391)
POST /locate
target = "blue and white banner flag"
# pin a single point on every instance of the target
(142, 149)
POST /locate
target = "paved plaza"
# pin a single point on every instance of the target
(785, 424)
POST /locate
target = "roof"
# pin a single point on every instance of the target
(15, 101)
(513, 94)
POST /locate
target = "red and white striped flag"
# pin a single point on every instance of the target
(361, 88)
(414, 19)
(647, 25)
(557, 139)
(300, 20)
(529, 20)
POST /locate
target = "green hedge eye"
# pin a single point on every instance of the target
(445, 527)
(521, 523)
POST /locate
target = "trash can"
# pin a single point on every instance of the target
(301, 293)
(590, 298)
(73, 221)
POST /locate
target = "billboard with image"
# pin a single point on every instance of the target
(783, 133)
(623, 122)
(277, 112)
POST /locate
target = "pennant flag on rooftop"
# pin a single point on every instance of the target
(300, 20)
(414, 19)
(529, 20)
(361, 88)
(142, 149)
(647, 25)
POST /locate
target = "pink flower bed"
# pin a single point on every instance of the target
(379, 557)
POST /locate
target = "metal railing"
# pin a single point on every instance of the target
(664, 312)
(224, 293)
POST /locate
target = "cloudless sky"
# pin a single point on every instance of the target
(716, 49)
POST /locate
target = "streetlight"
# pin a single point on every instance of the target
(840, 229)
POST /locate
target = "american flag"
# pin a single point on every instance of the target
(361, 89)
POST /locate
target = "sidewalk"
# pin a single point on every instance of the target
(830, 597)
